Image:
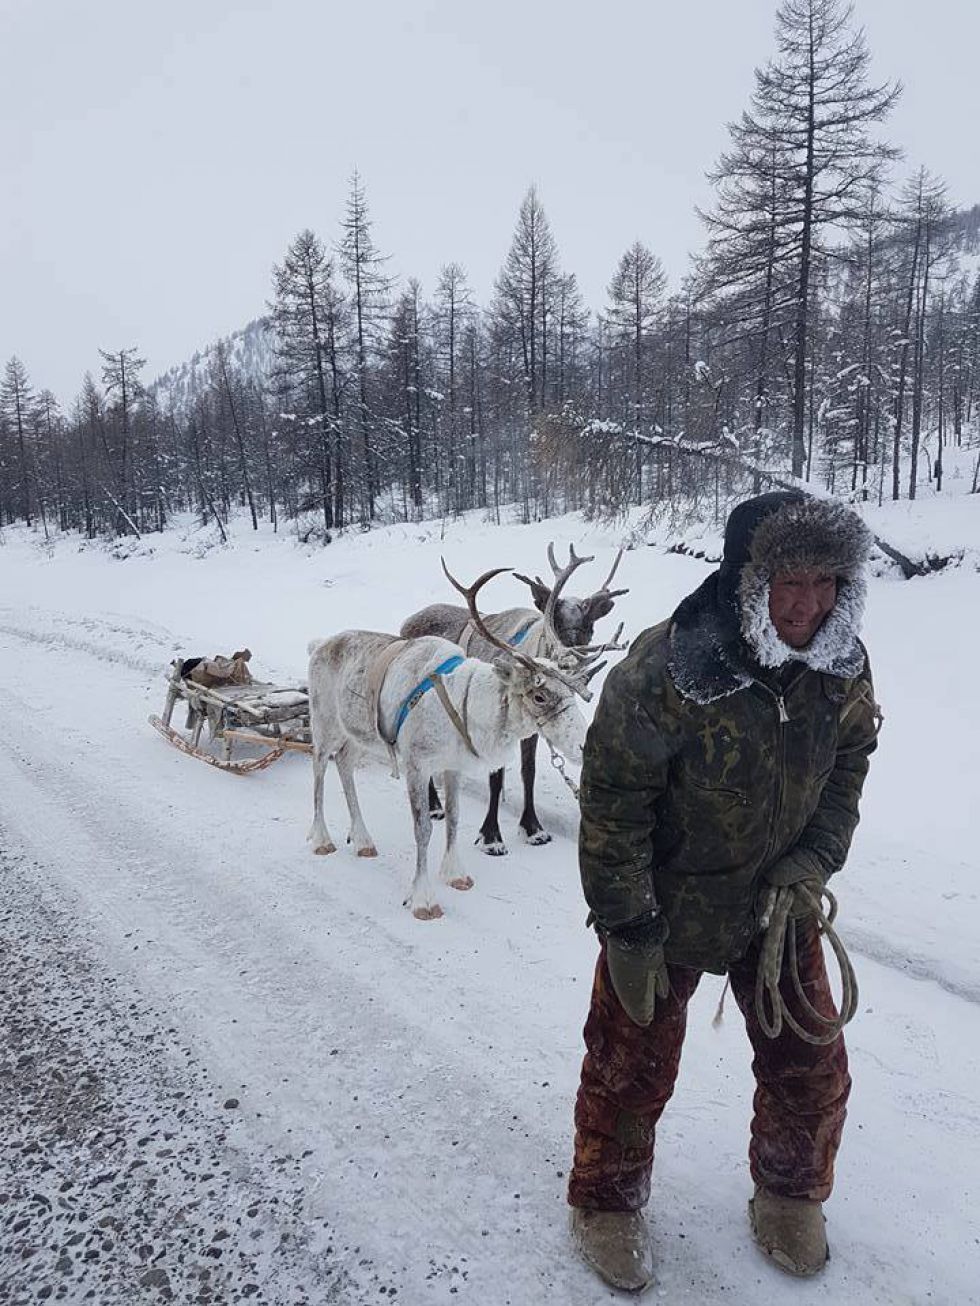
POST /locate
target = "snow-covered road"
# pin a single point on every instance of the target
(403, 1090)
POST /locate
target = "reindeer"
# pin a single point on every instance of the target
(548, 632)
(369, 698)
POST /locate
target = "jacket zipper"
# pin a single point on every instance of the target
(784, 718)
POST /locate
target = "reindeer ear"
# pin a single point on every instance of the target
(539, 590)
(602, 602)
(599, 605)
(504, 669)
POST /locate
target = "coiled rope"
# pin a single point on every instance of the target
(778, 923)
(780, 939)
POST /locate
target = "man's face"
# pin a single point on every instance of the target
(798, 603)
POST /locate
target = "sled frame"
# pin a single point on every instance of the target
(276, 717)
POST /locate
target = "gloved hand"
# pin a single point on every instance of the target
(801, 908)
(635, 957)
(791, 872)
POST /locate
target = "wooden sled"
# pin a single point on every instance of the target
(274, 717)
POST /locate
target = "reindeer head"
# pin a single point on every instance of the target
(549, 705)
(573, 620)
(545, 691)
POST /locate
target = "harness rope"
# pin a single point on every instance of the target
(432, 681)
(779, 942)
(558, 762)
(458, 721)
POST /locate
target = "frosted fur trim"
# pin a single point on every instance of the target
(695, 692)
(819, 535)
(835, 648)
(723, 629)
(700, 662)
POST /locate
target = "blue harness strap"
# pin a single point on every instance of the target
(522, 635)
(422, 687)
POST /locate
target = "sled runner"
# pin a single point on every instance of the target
(220, 693)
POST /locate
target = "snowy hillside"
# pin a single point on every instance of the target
(249, 352)
(338, 1103)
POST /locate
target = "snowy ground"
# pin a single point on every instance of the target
(233, 1071)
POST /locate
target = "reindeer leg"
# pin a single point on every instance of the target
(490, 838)
(435, 807)
(359, 837)
(452, 868)
(421, 898)
(319, 835)
(534, 831)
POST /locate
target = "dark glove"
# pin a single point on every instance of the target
(802, 907)
(796, 869)
(635, 957)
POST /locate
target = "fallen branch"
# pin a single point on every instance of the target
(909, 568)
(122, 511)
(726, 450)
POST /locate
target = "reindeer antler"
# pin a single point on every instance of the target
(604, 587)
(573, 560)
(561, 577)
(586, 656)
(596, 650)
(573, 682)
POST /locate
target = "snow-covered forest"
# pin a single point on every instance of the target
(830, 327)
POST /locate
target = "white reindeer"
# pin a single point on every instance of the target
(566, 634)
(422, 705)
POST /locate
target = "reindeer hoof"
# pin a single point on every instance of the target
(369, 851)
(462, 882)
(495, 849)
(427, 913)
(324, 849)
(537, 838)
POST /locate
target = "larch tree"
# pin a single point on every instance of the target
(121, 379)
(571, 321)
(529, 272)
(306, 314)
(16, 403)
(370, 289)
(635, 295)
(934, 248)
(49, 428)
(808, 132)
(405, 387)
(920, 210)
(228, 386)
(453, 312)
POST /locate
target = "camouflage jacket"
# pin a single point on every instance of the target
(688, 806)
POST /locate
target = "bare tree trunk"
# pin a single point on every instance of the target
(238, 437)
(903, 364)
(917, 394)
(803, 291)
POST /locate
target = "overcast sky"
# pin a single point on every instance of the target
(155, 160)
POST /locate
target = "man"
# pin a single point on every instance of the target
(727, 755)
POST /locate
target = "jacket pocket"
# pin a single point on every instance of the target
(718, 795)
